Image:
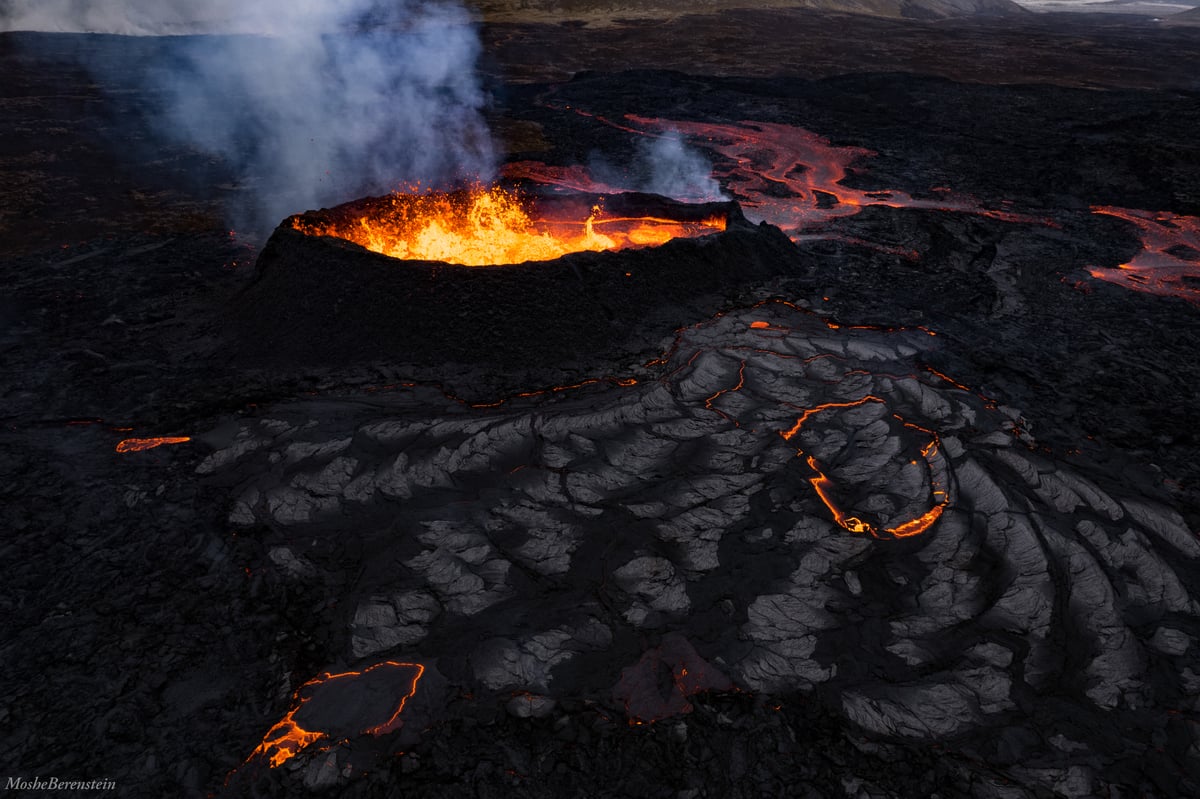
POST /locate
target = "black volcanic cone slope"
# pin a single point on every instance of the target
(321, 301)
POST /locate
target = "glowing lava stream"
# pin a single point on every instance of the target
(491, 226)
(287, 738)
(792, 178)
(778, 173)
(1169, 263)
(142, 444)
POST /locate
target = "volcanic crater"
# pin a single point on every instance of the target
(318, 299)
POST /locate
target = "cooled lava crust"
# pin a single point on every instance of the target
(319, 301)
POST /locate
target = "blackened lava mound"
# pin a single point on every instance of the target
(320, 301)
(633, 547)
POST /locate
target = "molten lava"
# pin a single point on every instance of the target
(142, 444)
(289, 737)
(493, 226)
(1169, 263)
(781, 174)
(823, 485)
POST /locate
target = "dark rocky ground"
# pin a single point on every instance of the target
(557, 562)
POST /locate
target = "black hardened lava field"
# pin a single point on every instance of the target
(524, 400)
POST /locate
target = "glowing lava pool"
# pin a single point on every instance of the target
(503, 224)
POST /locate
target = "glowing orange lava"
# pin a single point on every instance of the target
(793, 179)
(288, 738)
(741, 382)
(142, 444)
(781, 174)
(919, 524)
(790, 433)
(1169, 263)
(823, 486)
(493, 226)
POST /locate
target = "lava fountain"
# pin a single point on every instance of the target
(496, 225)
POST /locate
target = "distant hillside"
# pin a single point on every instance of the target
(940, 9)
(1184, 18)
(606, 11)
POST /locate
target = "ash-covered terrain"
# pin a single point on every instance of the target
(904, 506)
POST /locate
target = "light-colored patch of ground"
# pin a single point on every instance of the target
(1162, 9)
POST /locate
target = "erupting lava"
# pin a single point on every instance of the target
(490, 226)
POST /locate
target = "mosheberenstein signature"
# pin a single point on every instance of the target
(56, 784)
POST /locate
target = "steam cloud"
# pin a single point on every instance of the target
(147, 17)
(663, 164)
(327, 100)
(679, 171)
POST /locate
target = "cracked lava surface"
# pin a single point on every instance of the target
(791, 505)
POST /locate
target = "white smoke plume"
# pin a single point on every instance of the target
(312, 102)
(662, 164)
(678, 171)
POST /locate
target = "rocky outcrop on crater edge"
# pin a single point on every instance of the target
(791, 505)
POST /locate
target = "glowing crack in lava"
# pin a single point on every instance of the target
(322, 700)
(491, 226)
(1169, 263)
(935, 474)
